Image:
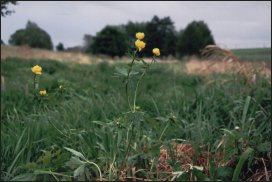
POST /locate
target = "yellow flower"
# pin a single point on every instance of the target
(60, 87)
(139, 44)
(140, 35)
(156, 51)
(42, 92)
(37, 70)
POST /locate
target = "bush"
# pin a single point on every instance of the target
(60, 47)
(33, 36)
(194, 38)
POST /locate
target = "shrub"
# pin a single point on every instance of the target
(33, 36)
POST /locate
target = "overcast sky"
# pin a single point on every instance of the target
(233, 24)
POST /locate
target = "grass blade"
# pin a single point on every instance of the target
(245, 155)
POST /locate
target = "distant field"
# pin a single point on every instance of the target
(254, 54)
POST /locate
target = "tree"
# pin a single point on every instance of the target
(194, 38)
(109, 41)
(161, 33)
(60, 47)
(2, 42)
(4, 7)
(131, 28)
(33, 36)
(88, 40)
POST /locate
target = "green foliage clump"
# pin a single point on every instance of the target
(193, 38)
(60, 47)
(109, 41)
(161, 33)
(32, 36)
(81, 129)
(4, 8)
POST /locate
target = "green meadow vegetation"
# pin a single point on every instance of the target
(145, 121)
(253, 54)
(83, 128)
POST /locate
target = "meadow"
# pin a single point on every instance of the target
(253, 54)
(185, 127)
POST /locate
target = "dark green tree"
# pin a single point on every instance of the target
(109, 41)
(60, 47)
(131, 28)
(4, 7)
(33, 36)
(193, 38)
(161, 33)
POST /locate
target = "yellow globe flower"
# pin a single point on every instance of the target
(43, 92)
(139, 44)
(37, 70)
(140, 35)
(156, 51)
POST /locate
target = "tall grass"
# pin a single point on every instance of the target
(82, 130)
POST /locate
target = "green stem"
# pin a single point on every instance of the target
(128, 147)
(34, 81)
(129, 71)
(50, 172)
(136, 90)
(164, 130)
(100, 175)
(58, 129)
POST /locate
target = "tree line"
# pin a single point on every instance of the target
(115, 40)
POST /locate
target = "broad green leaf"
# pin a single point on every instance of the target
(121, 71)
(76, 153)
(199, 174)
(74, 162)
(79, 171)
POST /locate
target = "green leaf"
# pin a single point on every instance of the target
(163, 119)
(16, 150)
(121, 71)
(136, 117)
(197, 171)
(264, 147)
(99, 123)
(76, 153)
(228, 132)
(79, 171)
(182, 176)
(245, 155)
(24, 177)
(245, 111)
(30, 166)
(224, 173)
(74, 162)
(47, 157)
